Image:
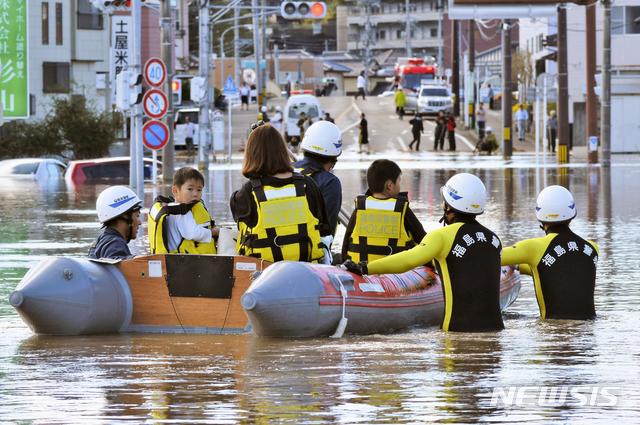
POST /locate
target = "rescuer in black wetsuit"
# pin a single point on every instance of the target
(466, 254)
(562, 264)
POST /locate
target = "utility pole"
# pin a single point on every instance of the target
(407, 30)
(507, 141)
(455, 65)
(472, 66)
(263, 52)
(257, 44)
(236, 43)
(563, 91)
(368, 38)
(136, 170)
(440, 50)
(606, 85)
(204, 130)
(168, 152)
(592, 102)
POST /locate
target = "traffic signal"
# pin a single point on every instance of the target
(176, 90)
(303, 9)
(117, 3)
(128, 89)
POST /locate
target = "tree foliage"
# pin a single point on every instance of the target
(72, 130)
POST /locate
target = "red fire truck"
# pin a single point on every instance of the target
(410, 74)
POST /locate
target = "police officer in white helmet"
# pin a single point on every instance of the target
(562, 264)
(118, 209)
(322, 145)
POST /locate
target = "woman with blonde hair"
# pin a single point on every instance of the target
(280, 213)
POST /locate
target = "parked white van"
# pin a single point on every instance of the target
(297, 103)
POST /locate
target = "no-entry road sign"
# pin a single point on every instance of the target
(155, 134)
(155, 72)
(155, 103)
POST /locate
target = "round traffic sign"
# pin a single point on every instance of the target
(155, 72)
(155, 103)
(155, 134)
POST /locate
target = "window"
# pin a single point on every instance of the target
(382, 34)
(89, 17)
(632, 19)
(58, 24)
(625, 20)
(399, 34)
(55, 77)
(45, 23)
(434, 32)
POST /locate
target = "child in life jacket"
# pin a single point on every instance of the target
(182, 224)
(382, 222)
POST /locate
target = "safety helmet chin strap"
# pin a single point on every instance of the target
(446, 209)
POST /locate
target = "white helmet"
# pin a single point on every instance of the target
(115, 201)
(555, 204)
(323, 138)
(489, 129)
(263, 109)
(465, 193)
(278, 109)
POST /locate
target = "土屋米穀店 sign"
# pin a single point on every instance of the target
(121, 49)
(14, 76)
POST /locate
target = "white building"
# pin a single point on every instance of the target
(625, 67)
(68, 53)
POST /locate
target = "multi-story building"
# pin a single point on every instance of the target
(68, 53)
(388, 27)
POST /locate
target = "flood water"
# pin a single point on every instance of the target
(571, 372)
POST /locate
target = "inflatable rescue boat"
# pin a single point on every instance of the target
(176, 293)
(292, 299)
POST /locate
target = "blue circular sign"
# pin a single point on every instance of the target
(155, 134)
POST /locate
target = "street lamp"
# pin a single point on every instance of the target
(245, 26)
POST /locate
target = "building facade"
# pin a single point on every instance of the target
(388, 27)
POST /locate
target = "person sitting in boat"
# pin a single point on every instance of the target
(182, 224)
(280, 213)
(118, 209)
(382, 222)
(466, 255)
(563, 264)
(322, 145)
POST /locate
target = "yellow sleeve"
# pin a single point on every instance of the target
(520, 253)
(401, 262)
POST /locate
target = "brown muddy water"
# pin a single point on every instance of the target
(532, 372)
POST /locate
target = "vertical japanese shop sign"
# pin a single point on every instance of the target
(121, 33)
(14, 76)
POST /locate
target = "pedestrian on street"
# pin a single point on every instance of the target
(451, 131)
(481, 119)
(190, 132)
(363, 140)
(416, 130)
(361, 84)
(401, 100)
(522, 116)
(441, 131)
(245, 91)
(287, 86)
(552, 130)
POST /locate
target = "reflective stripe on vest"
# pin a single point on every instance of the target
(379, 228)
(286, 228)
(158, 234)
